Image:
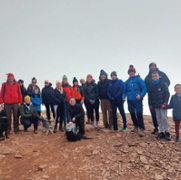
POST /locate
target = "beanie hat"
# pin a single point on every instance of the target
(27, 97)
(33, 79)
(103, 73)
(131, 69)
(152, 64)
(89, 76)
(10, 74)
(20, 81)
(75, 80)
(114, 74)
(64, 77)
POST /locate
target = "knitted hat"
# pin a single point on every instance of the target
(131, 69)
(114, 73)
(20, 81)
(64, 77)
(27, 97)
(152, 64)
(75, 80)
(89, 76)
(10, 74)
(103, 73)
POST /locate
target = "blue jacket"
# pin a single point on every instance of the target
(115, 90)
(36, 100)
(134, 86)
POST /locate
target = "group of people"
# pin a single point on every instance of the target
(65, 101)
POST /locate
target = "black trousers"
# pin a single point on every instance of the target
(153, 114)
(59, 113)
(48, 106)
(80, 124)
(32, 120)
(88, 114)
(91, 108)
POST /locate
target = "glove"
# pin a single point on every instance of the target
(92, 101)
(82, 101)
(35, 115)
(151, 108)
(164, 106)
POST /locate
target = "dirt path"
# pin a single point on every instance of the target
(110, 155)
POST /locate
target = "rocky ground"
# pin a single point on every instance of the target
(110, 155)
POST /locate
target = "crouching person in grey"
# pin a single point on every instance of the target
(29, 115)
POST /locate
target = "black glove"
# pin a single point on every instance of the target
(35, 115)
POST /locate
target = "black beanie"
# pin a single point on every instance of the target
(75, 80)
(131, 69)
(114, 74)
(103, 73)
(20, 81)
(151, 64)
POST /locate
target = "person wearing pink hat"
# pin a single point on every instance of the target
(11, 100)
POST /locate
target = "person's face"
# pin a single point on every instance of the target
(153, 68)
(103, 77)
(155, 77)
(11, 79)
(46, 84)
(178, 89)
(27, 101)
(33, 82)
(36, 91)
(72, 101)
(89, 79)
(59, 85)
(75, 83)
(20, 84)
(113, 77)
(132, 74)
(65, 81)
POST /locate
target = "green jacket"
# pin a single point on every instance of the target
(25, 112)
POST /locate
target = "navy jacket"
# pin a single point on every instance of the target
(102, 88)
(58, 98)
(47, 94)
(115, 90)
(175, 104)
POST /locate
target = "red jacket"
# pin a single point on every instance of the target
(69, 91)
(10, 94)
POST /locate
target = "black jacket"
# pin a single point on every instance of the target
(102, 88)
(47, 94)
(163, 76)
(158, 94)
(23, 92)
(75, 111)
(58, 98)
(175, 104)
(30, 90)
(90, 91)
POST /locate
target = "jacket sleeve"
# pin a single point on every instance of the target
(22, 113)
(85, 93)
(34, 101)
(40, 101)
(166, 79)
(97, 91)
(170, 106)
(81, 114)
(108, 92)
(55, 98)
(167, 93)
(147, 82)
(2, 93)
(149, 96)
(43, 95)
(71, 91)
(20, 95)
(29, 91)
(143, 88)
(120, 89)
(124, 89)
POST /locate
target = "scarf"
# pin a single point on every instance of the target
(156, 82)
(60, 90)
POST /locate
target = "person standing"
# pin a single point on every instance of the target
(90, 92)
(103, 85)
(115, 91)
(148, 82)
(158, 96)
(77, 92)
(135, 90)
(69, 92)
(47, 99)
(23, 89)
(59, 101)
(11, 100)
(32, 87)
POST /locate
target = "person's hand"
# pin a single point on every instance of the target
(70, 123)
(2, 105)
(138, 97)
(164, 106)
(151, 108)
(19, 104)
(73, 120)
(35, 115)
(82, 101)
(124, 99)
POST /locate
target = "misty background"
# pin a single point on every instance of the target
(47, 39)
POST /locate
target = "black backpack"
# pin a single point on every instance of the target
(72, 134)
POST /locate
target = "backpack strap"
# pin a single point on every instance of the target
(119, 82)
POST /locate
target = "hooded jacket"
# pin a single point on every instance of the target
(30, 89)
(10, 93)
(158, 94)
(36, 99)
(175, 104)
(78, 93)
(47, 94)
(163, 76)
(69, 91)
(58, 98)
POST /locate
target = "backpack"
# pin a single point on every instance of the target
(118, 83)
(137, 81)
(71, 133)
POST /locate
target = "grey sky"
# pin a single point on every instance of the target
(48, 39)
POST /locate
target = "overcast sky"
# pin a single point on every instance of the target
(48, 39)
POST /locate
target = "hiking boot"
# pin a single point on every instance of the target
(35, 131)
(106, 127)
(61, 129)
(142, 133)
(124, 129)
(155, 131)
(25, 129)
(55, 129)
(161, 136)
(16, 132)
(177, 139)
(168, 136)
(97, 124)
(135, 129)
(88, 122)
